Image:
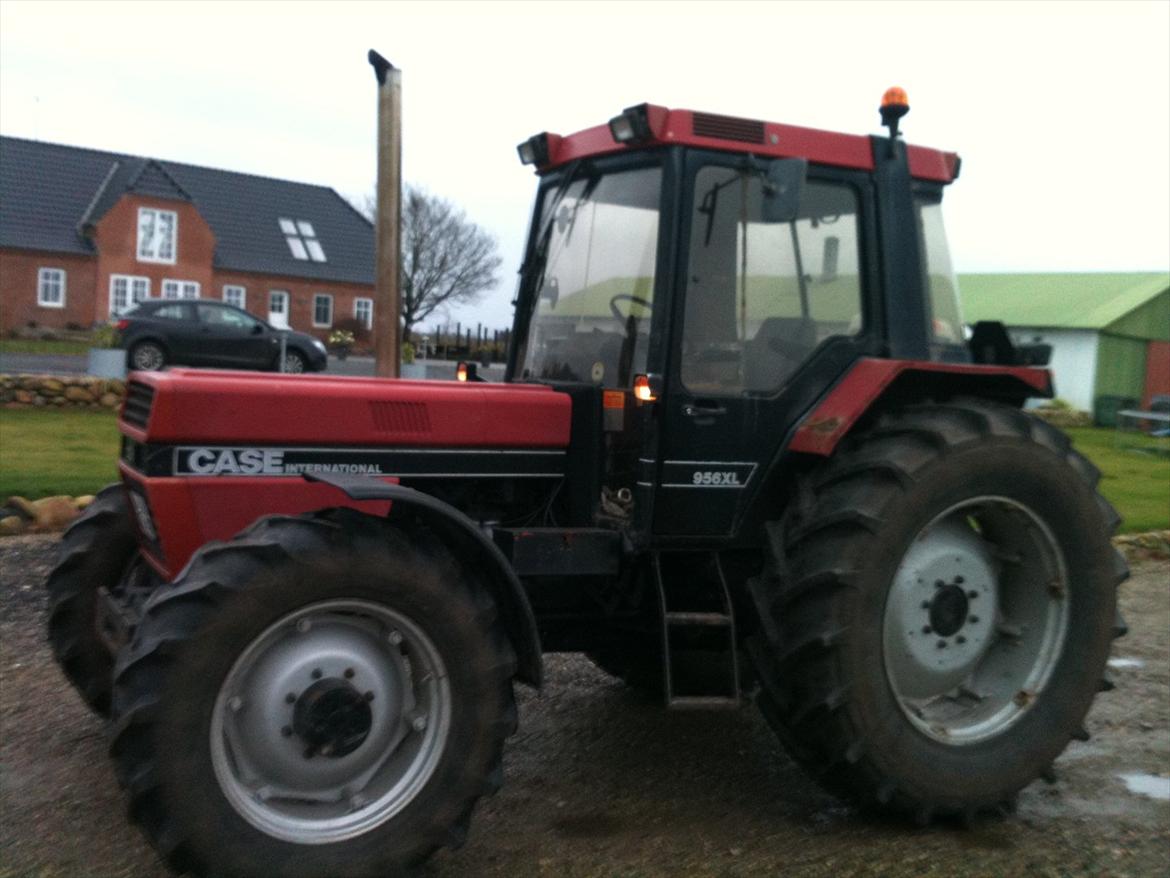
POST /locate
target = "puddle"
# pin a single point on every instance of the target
(1126, 663)
(1149, 785)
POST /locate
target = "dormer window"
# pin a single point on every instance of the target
(302, 240)
(157, 235)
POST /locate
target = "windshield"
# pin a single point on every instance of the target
(594, 287)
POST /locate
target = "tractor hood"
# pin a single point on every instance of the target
(219, 407)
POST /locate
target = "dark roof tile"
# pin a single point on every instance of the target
(48, 190)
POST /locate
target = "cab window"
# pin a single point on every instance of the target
(761, 296)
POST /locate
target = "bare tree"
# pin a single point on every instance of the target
(446, 258)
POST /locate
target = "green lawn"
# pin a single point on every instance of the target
(1136, 481)
(42, 346)
(44, 453)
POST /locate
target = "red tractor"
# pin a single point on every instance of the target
(744, 450)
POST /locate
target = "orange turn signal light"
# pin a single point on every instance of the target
(461, 372)
(643, 391)
(895, 97)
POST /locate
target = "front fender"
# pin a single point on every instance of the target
(472, 546)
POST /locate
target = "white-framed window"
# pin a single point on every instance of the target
(235, 295)
(363, 312)
(180, 289)
(127, 290)
(158, 235)
(51, 287)
(302, 239)
(322, 310)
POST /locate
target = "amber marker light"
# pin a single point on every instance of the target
(895, 97)
(461, 372)
(643, 391)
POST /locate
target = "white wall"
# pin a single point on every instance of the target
(1073, 363)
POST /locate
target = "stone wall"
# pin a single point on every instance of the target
(60, 391)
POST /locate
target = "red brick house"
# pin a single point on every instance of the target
(85, 234)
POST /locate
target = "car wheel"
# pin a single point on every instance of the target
(147, 356)
(294, 362)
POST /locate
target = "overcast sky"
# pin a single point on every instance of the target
(1061, 111)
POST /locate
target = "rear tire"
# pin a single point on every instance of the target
(229, 775)
(859, 688)
(294, 362)
(95, 552)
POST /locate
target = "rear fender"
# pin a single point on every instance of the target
(874, 382)
(474, 550)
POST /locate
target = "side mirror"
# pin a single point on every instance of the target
(257, 328)
(783, 184)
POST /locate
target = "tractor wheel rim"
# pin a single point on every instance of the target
(148, 358)
(976, 619)
(330, 722)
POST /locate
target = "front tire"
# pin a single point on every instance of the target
(95, 552)
(939, 608)
(147, 356)
(323, 695)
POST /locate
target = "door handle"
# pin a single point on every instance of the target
(703, 409)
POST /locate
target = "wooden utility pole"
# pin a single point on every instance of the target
(388, 250)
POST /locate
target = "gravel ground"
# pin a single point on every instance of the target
(600, 783)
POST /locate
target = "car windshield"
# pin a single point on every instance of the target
(593, 291)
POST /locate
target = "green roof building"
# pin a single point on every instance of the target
(1110, 333)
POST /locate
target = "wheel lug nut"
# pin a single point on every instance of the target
(973, 620)
(972, 594)
(958, 580)
(961, 639)
(236, 702)
(369, 696)
(926, 629)
(395, 637)
(349, 673)
(926, 605)
(291, 698)
(942, 644)
(287, 731)
(419, 722)
(938, 583)
(316, 674)
(303, 625)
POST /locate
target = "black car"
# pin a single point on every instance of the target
(195, 332)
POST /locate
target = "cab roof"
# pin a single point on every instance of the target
(770, 139)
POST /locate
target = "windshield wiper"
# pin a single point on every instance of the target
(546, 222)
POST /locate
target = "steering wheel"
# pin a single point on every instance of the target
(633, 300)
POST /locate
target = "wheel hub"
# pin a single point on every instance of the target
(974, 620)
(948, 610)
(330, 721)
(332, 718)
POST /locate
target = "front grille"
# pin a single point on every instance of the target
(139, 399)
(401, 417)
(727, 128)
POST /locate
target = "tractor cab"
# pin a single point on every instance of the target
(701, 281)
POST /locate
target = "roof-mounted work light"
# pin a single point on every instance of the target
(537, 149)
(632, 126)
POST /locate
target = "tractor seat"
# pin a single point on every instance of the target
(778, 349)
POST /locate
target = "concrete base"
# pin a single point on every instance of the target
(107, 363)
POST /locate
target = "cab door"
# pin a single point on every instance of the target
(766, 316)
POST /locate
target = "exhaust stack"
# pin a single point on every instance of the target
(388, 219)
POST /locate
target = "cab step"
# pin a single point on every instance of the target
(699, 654)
